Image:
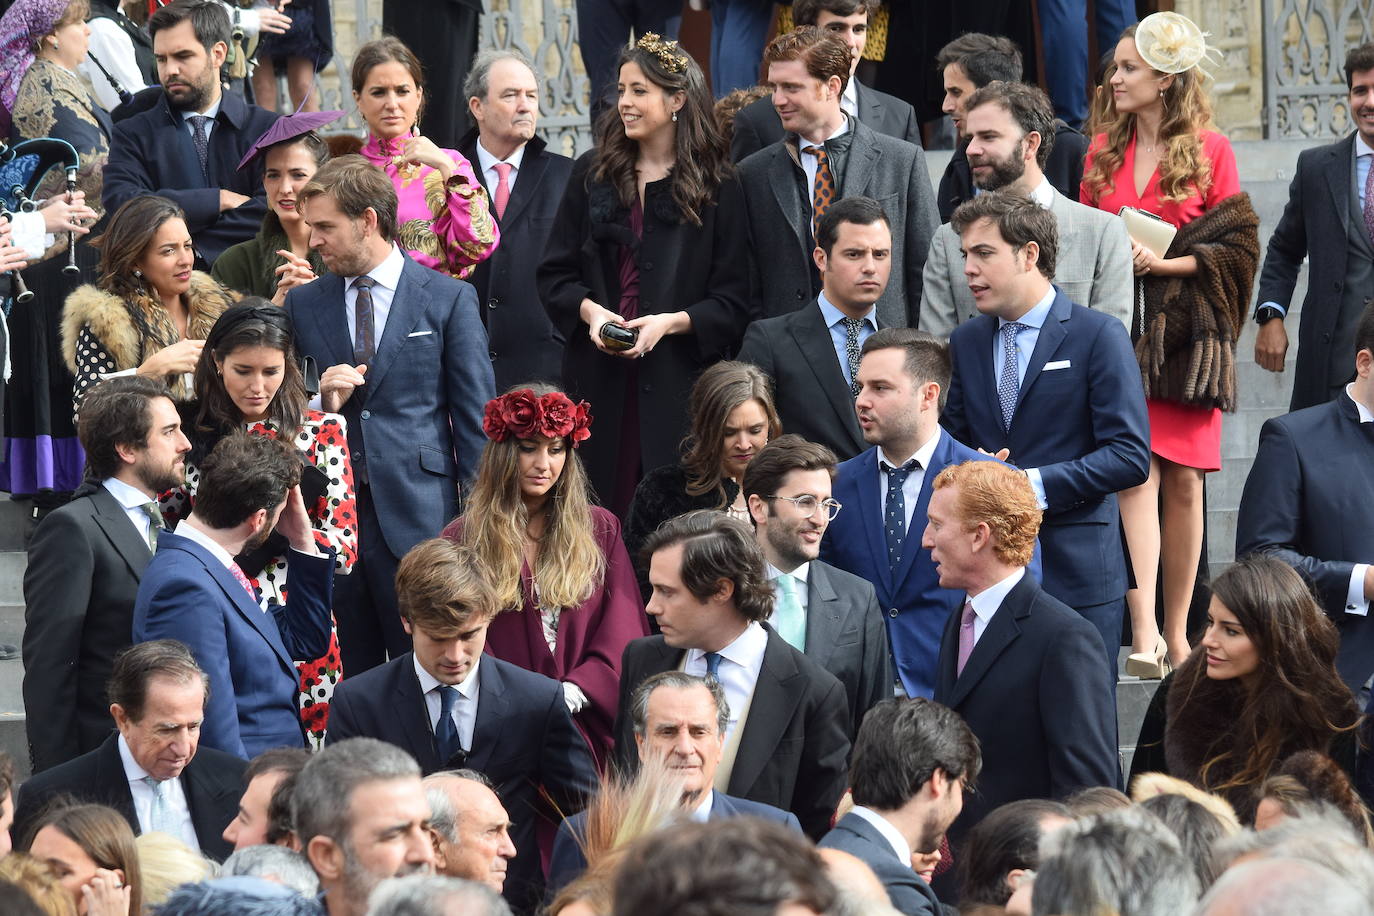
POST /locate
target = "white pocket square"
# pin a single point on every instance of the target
(423, 333)
(1057, 364)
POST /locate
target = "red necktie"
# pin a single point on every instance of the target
(502, 187)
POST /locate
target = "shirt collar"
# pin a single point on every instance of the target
(1043, 193)
(1035, 318)
(486, 159)
(1362, 148)
(840, 131)
(900, 847)
(191, 533)
(800, 573)
(702, 812)
(1365, 415)
(923, 455)
(386, 274)
(210, 112)
(851, 96)
(747, 646)
(132, 770)
(834, 316)
(986, 602)
(128, 496)
(428, 681)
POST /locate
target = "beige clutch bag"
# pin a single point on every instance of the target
(1154, 232)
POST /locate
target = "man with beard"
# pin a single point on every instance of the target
(85, 562)
(829, 614)
(911, 764)
(1011, 133)
(361, 816)
(188, 146)
(193, 591)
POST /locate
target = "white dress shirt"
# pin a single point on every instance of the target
(800, 574)
(386, 277)
(740, 664)
(900, 847)
(177, 808)
(112, 46)
(192, 533)
(487, 162)
(702, 812)
(1355, 601)
(131, 500)
(986, 602)
(849, 99)
(464, 711)
(911, 489)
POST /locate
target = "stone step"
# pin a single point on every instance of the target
(12, 565)
(15, 523)
(13, 739)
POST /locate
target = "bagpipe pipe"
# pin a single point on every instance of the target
(52, 153)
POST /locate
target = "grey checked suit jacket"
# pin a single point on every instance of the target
(846, 635)
(1093, 268)
(892, 172)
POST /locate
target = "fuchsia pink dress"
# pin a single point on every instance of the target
(447, 228)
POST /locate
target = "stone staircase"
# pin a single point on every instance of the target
(14, 526)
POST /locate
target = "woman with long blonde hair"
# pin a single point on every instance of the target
(562, 577)
(1158, 153)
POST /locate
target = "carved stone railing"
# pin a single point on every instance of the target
(1305, 42)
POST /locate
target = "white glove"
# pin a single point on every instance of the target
(574, 697)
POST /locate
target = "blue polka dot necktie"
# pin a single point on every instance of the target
(1009, 381)
(894, 517)
(200, 136)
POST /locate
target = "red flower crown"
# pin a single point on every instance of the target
(524, 415)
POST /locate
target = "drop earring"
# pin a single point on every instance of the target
(138, 273)
(675, 117)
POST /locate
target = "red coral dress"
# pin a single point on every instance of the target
(1181, 433)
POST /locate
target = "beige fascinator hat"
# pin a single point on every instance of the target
(1171, 43)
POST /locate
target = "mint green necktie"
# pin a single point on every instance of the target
(788, 617)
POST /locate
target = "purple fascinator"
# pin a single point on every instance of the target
(21, 26)
(289, 128)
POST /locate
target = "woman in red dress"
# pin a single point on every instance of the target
(561, 573)
(1158, 153)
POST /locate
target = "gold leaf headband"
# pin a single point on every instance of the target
(667, 52)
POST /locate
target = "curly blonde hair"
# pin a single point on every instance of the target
(1183, 170)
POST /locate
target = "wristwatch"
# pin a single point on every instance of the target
(1264, 313)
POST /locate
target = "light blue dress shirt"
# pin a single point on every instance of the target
(834, 320)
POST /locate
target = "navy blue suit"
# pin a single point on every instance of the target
(414, 433)
(911, 599)
(152, 153)
(523, 739)
(569, 861)
(1309, 501)
(908, 891)
(1080, 418)
(1035, 694)
(187, 594)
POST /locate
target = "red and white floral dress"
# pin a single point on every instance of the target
(323, 438)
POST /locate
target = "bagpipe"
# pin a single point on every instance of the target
(51, 153)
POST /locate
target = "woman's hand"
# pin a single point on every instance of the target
(653, 328)
(11, 257)
(422, 151)
(105, 894)
(1143, 260)
(595, 316)
(295, 272)
(180, 357)
(66, 213)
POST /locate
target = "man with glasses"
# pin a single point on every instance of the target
(829, 614)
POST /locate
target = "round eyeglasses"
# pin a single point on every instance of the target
(808, 504)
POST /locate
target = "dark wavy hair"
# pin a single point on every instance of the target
(1297, 701)
(717, 547)
(253, 322)
(127, 236)
(700, 163)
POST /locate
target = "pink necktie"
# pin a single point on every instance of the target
(965, 636)
(1369, 202)
(241, 579)
(502, 187)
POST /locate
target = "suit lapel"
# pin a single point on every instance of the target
(406, 307)
(978, 375)
(526, 189)
(782, 179)
(413, 717)
(330, 313)
(1338, 179)
(1001, 632)
(1052, 334)
(866, 106)
(112, 782)
(862, 163)
(776, 694)
(123, 536)
(938, 461)
(823, 620)
(818, 351)
(205, 800)
(871, 515)
(492, 706)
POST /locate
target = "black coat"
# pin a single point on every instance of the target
(757, 124)
(212, 783)
(703, 271)
(524, 345)
(1064, 169)
(792, 753)
(84, 565)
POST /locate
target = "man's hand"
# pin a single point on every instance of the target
(1271, 345)
(228, 200)
(294, 523)
(1369, 583)
(337, 385)
(1000, 454)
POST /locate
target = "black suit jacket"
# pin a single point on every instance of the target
(793, 752)
(152, 153)
(1036, 694)
(757, 124)
(1064, 169)
(212, 782)
(524, 740)
(810, 392)
(84, 565)
(909, 893)
(846, 636)
(524, 345)
(1313, 226)
(1309, 501)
